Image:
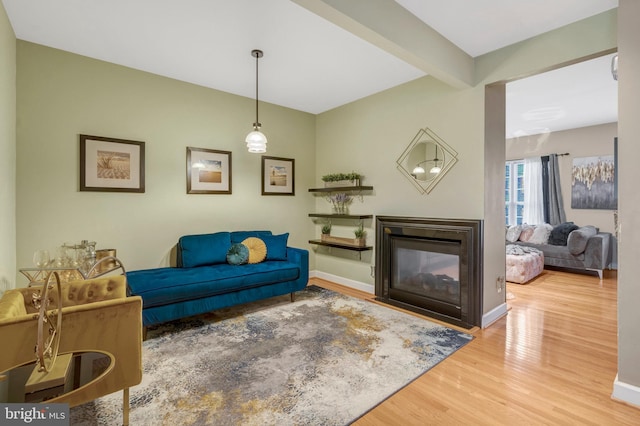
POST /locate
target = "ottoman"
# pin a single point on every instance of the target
(523, 263)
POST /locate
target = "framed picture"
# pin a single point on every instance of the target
(208, 171)
(593, 183)
(278, 176)
(111, 165)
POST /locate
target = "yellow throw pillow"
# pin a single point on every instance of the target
(257, 249)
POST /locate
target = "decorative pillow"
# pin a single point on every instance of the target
(560, 233)
(541, 234)
(257, 249)
(276, 246)
(527, 232)
(238, 254)
(204, 249)
(577, 241)
(513, 233)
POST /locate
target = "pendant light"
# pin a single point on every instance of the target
(256, 140)
(435, 169)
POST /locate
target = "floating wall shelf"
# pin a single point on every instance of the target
(342, 216)
(342, 189)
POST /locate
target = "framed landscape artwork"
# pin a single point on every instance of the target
(208, 171)
(278, 176)
(593, 183)
(111, 165)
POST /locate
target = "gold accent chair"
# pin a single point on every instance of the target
(97, 316)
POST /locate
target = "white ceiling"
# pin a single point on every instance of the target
(584, 94)
(309, 63)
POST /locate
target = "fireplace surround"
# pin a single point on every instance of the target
(431, 266)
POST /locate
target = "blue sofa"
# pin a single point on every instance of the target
(204, 281)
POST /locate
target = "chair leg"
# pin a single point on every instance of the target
(144, 333)
(293, 297)
(125, 407)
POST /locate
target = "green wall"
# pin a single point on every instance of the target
(7, 152)
(62, 95)
(369, 135)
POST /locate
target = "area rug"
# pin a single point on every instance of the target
(325, 359)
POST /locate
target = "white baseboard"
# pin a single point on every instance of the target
(358, 285)
(626, 392)
(494, 315)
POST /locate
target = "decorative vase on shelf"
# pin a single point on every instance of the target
(340, 203)
(340, 209)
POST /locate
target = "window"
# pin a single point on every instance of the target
(514, 192)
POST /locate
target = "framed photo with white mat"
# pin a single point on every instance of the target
(278, 176)
(111, 165)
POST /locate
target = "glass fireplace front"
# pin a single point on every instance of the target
(426, 270)
(426, 273)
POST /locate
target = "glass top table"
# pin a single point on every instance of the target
(106, 265)
(71, 371)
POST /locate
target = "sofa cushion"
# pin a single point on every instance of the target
(204, 249)
(240, 236)
(276, 246)
(560, 233)
(527, 232)
(238, 254)
(541, 234)
(164, 286)
(577, 240)
(12, 305)
(257, 249)
(513, 233)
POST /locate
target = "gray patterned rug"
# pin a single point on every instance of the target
(325, 359)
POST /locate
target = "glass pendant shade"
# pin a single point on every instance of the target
(256, 142)
(418, 170)
(435, 170)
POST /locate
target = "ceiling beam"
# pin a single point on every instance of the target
(392, 28)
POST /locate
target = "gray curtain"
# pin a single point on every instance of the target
(556, 209)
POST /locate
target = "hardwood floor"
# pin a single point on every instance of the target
(551, 361)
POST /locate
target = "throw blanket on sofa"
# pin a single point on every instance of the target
(518, 250)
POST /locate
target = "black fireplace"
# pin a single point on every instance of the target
(431, 266)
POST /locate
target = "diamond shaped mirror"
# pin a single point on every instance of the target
(426, 160)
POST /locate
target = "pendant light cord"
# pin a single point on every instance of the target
(256, 125)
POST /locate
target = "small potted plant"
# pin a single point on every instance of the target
(360, 235)
(333, 180)
(325, 232)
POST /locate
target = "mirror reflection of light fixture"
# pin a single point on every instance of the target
(256, 140)
(412, 161)
(418, 169)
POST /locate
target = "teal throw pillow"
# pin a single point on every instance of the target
(276, 246)
(238, 254)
